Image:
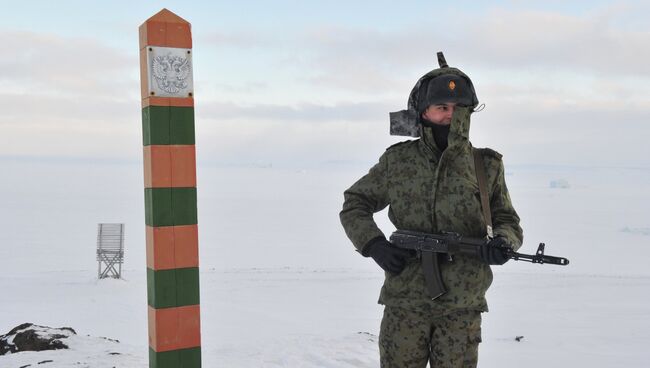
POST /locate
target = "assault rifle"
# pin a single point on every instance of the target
(428, 246)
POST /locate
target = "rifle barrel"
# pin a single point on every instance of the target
(541, 259)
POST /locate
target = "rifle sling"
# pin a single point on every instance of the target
(479, 167)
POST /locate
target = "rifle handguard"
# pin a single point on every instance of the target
(429, 245)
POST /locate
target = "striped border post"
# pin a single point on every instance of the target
(170, 192)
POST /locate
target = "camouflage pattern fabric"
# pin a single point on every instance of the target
(430, 191)
(410, 339)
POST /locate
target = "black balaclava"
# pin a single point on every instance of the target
(440, 134)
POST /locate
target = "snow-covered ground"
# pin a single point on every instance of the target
(282, 287)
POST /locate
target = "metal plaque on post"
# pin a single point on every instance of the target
(170, 71)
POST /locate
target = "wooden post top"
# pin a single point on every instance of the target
(166, 61)
(166, 29)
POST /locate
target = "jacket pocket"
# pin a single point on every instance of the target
(402, 285)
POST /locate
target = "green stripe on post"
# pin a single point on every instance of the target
(184, 206)
(158, 207)
(155, 125)
(181, 121)
(164, 125)
(161, 288)
(182, 358)
(187, 286)
(173, 288)
(170, 206)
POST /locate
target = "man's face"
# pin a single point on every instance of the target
(439, 114)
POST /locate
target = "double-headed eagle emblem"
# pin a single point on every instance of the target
(171, 72)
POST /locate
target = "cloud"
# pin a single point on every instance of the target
(598, 135)
(35, 109)
(526, 131)
(591, 43)
(290, 143)
(361, 60)
(498, 40)
(557, 87)
(236, 39)
(67, 96)
(242, 88)
(303, 112)
(46, 63)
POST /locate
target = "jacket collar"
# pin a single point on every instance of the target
(458, 132)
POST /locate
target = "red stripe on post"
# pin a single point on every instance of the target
(171, 247)
(169, 166)
(166, 29)
(167, 101)
(174, 328)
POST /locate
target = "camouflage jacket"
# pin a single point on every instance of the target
(430, 191)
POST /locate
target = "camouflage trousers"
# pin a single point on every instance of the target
(411, 339)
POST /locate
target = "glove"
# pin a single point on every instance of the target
(387, 256)
(494, 251)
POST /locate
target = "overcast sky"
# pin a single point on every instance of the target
(312, 82)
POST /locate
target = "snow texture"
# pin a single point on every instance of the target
(281, 286)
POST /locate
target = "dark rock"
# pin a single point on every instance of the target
(30, 337)
(107, 339)
(18, 328)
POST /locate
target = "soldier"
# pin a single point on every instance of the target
(430, 185)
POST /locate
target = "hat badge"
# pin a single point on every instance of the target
(452, 85)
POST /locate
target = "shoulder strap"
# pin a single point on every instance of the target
(479, 167)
